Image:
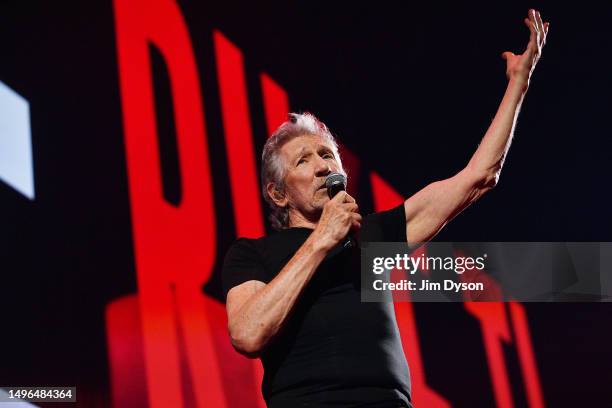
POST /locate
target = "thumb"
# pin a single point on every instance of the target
(340, 196)
(507, 54)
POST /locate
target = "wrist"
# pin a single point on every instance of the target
(319, 243)
(519, 81)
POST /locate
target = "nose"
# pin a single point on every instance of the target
(323, 168)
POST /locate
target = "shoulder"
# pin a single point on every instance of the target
(243, 262)
(263, 252)
(244, 248)
(385, 226)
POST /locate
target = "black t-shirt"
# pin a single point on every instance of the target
(334, 350)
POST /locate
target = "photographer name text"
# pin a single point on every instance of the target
(427, 286)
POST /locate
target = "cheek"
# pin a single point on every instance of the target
(296, 192)
(301, 181)
(302, 196)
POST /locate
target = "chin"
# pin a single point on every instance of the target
(317, 206)
(322, 201)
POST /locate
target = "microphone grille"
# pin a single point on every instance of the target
(335, 180)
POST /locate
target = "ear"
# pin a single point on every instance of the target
(279, 197)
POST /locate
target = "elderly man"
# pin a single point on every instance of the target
(293, 297)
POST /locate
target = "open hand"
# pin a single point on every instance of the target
(521, 66)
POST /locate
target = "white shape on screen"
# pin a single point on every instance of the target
(16, 167)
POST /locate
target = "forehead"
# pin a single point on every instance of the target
(305, 143)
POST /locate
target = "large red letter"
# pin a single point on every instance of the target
(276, 103)
(495, 329)
(174, 246)
(526, 356)
(238, 138)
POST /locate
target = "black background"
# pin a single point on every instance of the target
(410, 88)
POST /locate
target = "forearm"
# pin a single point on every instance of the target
(489, 158)
(264, 314)
(431, 208)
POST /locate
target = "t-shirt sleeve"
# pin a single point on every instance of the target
(242, 263)
(385, 226)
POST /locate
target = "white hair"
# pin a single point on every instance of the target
(272, 165)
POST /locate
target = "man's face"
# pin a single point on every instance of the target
(308, 161)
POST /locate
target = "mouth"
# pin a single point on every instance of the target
(321, 191)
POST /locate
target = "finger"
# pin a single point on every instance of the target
(539, 27)
(542, 25)
(355, 223)
(533, 36)
(352, 207)
(507, 54)
(533, 17)
(340, 197)
(348, 198)
(539, 22)
(542, 29)
(356, 217)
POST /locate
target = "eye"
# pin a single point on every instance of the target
(328, 155)
(302, 160)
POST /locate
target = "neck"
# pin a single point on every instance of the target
(297, 219)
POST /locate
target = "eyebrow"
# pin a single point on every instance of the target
(297, 156)
(324, 148)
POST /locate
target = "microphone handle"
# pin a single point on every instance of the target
(350, 242)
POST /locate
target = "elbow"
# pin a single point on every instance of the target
(483, 181)
(247, 349)
(248, 345)
(489, 180)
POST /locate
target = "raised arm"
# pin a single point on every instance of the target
(430, 209)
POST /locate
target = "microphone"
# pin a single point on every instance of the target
(335, 183)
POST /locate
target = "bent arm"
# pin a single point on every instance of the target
(257, 311)
(430, 209)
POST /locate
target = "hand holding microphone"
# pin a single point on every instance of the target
(340, 214)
